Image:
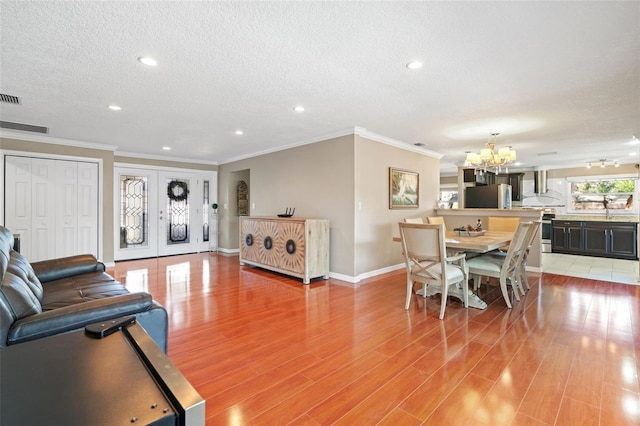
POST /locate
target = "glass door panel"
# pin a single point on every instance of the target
(135, 219)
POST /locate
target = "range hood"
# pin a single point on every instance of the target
(540, 181)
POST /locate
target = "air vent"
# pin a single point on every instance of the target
(419, 144)
(10, 99)
(23, 127)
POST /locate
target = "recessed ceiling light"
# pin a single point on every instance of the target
(414, 65)
(239, 132)
(115, 108)
(299, 109)
(166, 148)
(148, 60)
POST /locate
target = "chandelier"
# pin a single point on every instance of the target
(489, 159)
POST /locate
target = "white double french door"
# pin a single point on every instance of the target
(161, 212)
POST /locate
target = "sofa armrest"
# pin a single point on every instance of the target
(76, 316)
(64, 267)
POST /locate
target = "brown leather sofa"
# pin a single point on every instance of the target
(56, 296)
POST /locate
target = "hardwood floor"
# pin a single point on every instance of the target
(264, 349)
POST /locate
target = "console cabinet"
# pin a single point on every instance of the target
(294, 246)
(593, 238)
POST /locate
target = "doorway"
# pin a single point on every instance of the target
(161, 212)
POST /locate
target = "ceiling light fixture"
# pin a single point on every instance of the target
(115, 108)
(239, 132)
(603, 162)
(148, 60)
(414, 65)
(166, 148)
(298, 109)
(488, 158)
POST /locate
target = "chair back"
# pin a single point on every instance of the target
(532, 234)
(517, 248)
(436, 220)
(422, 241)
(413, 220)
(502, 224)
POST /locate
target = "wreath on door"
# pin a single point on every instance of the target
(177, 190)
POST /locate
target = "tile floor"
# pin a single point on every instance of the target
(596, 268)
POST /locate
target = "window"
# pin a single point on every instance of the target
(604, 195)
(448, 199)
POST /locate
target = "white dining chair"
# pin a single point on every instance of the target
(523, 262)
(413, 220)
(505, 268)
(437, 220)
(424, 250)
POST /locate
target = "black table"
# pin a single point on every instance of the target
(74, 379)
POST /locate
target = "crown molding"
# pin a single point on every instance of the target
(56, 141)
(361, 131)
(163, 158)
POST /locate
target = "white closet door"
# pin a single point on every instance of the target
(87, 212)
(44, 199)
(53, 205)
(17, 202)
(67, 209)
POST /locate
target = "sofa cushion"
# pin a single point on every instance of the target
(20, 267)
(18, 298)
(79, 289)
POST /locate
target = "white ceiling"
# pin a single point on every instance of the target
(551, 77)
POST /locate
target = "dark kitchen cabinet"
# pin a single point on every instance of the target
(611, 239)
(566, 236)
(479, 177)
(592, 238)
(513, 179)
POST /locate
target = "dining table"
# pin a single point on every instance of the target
(479, 243)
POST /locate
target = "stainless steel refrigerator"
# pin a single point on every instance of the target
(488, 196)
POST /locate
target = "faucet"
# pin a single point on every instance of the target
(605, 203)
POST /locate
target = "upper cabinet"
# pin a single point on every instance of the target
(515, 180)
(479, 177)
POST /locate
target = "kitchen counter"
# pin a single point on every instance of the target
(596, 218)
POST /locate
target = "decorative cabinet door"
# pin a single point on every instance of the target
(249, 236)
(291, 245)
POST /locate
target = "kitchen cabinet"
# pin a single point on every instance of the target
(513, 179)
(593, 238)
(478, 176)
(566, 236)
(611, 239)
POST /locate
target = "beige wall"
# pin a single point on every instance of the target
(316, 179)
(376, 224)
(345, 180)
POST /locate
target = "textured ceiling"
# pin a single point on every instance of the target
(551, 77)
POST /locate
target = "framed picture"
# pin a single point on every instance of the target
(403, 189)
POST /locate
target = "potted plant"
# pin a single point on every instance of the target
(214, 206)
